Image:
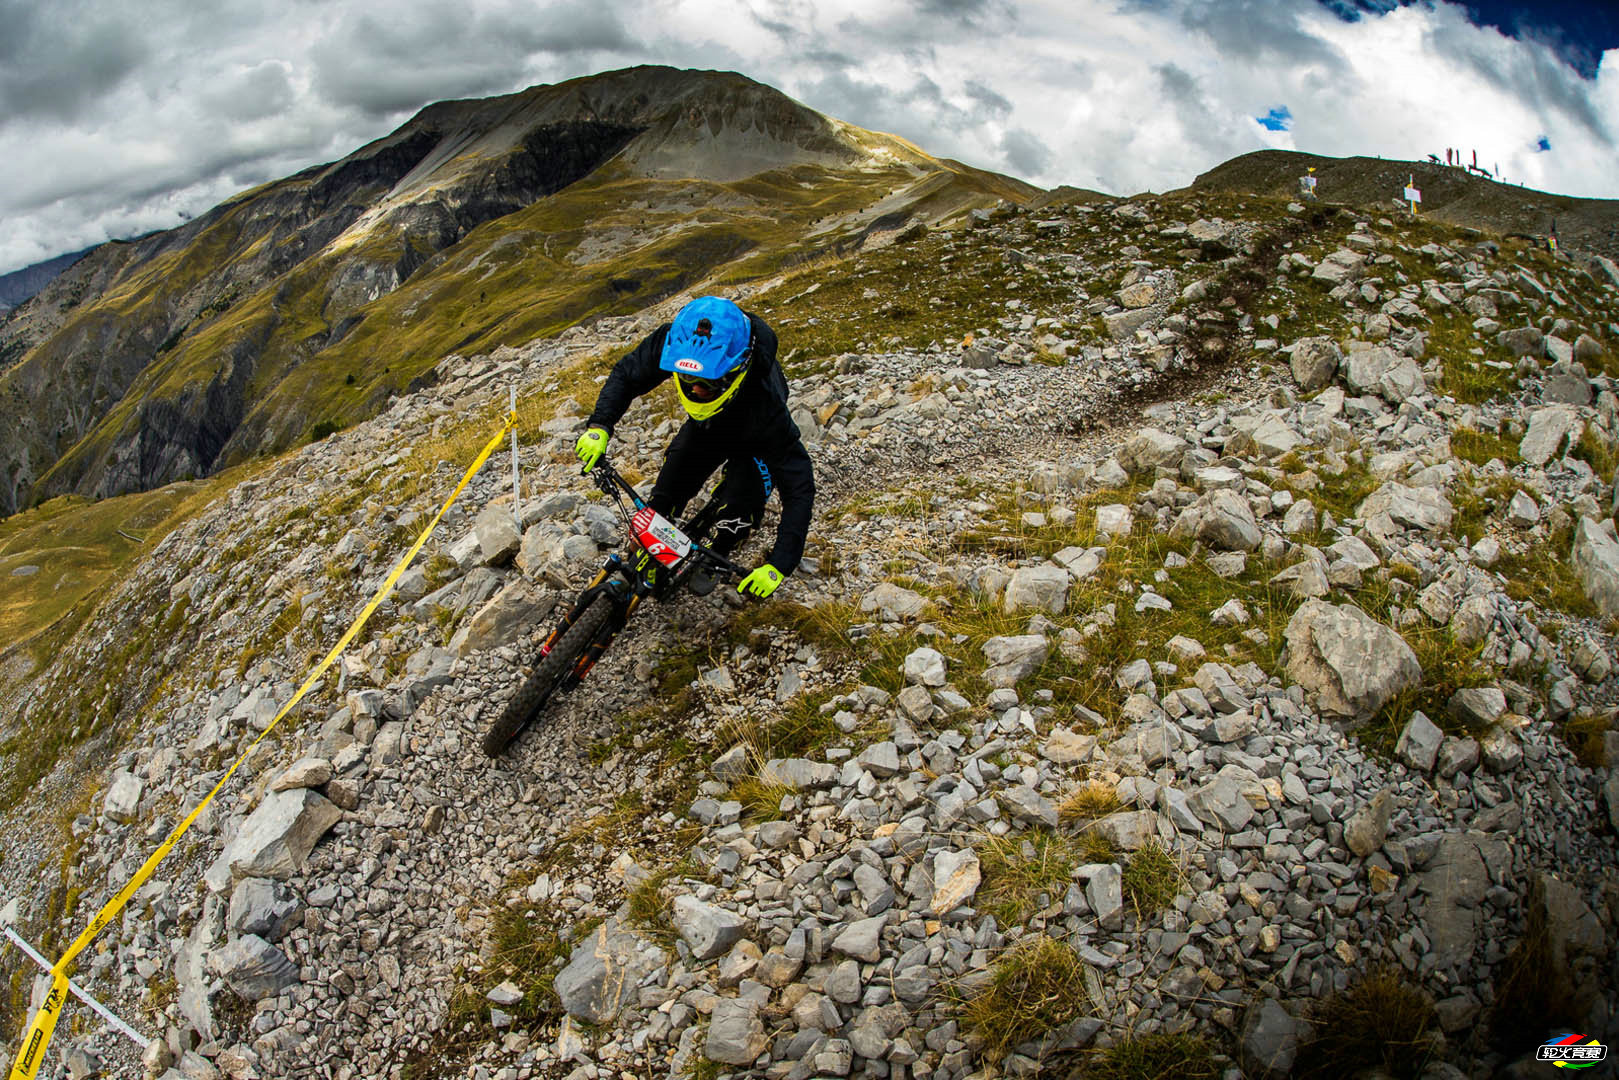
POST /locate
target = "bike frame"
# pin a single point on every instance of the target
(626, 584)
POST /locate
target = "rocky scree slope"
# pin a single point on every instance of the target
(1176, 736)
(298, 305)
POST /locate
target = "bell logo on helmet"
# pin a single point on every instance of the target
(688, 364)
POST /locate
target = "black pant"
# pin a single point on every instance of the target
(738, 504)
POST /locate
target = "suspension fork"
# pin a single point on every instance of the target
(611, 631)
(586, 595)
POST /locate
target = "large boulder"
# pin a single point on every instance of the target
(1395, 505)
(1596, 563)
(1221, 519)
(276, 838)
(893, 602)
(1037, 588)
(123, 797)
(1522, 341)
(254, 968)
(1454, 882)
(1349, 663)
(708, 931)
(1377, 369)
(604, 973)
(1270, 1040)
(1150, 449)
(1011, 658)
(498, 538)
(512, 611)
(1550, 429)
(1315, 361)
(736, 1035)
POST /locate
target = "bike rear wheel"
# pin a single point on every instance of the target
(537, 689)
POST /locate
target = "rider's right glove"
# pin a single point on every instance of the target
(761, 583)
(590, 447)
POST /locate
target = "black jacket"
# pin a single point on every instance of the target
(754, 424)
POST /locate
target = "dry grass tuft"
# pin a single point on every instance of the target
(1148, 1057)
(1092, 799)
(1152, 877)
(1382, 1023)
(1037, 986)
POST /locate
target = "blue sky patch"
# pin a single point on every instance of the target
(1278, 119)
(1578, 31)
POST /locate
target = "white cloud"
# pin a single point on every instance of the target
(112, 125)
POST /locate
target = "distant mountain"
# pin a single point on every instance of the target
(1448, 194)
(20, 285)
(310, 300)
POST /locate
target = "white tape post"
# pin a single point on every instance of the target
(78, 991)
(517, 488)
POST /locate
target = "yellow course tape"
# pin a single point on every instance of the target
(32, 1050)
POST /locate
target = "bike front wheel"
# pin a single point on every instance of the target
(564, 656)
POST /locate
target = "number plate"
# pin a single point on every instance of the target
(658, 535)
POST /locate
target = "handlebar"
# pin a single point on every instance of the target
(612, 483)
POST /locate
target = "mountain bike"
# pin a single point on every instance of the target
(664, 557)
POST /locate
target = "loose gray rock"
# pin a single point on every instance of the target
(1408, 507)
(861, 939)
(1456, 756)
(604, 971)
(511, 612)
(123, 797)
(1028, 805)
(1368, 826)
(708, 931)
(306, 772)
(1419, 741)
(498, 538)
(1222, 519)
(892, 600)
(1549, 430)
(1595, 556)
(1104, 892)
(1150, 449)
(254, 968)
(276, 838)
(1013, 658)
(736, 1034)
(263, 907)
(1270, 1040)
(1351, 664)
(956, 877)
(926, 667)
(1454, 883)
(1037, 588)
(1314, 362)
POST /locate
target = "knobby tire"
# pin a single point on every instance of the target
(532, 695)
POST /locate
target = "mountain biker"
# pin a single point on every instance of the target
(728, 381)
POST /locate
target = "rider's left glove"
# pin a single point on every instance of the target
(762, 582)
(590, 447)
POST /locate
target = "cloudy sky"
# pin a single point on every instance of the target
(119, 118)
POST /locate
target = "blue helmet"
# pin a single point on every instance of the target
(707, 348)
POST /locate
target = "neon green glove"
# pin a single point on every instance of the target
(591, 446)
(762, 582)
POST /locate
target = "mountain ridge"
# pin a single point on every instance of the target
(1449, 194)
(169, 356)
